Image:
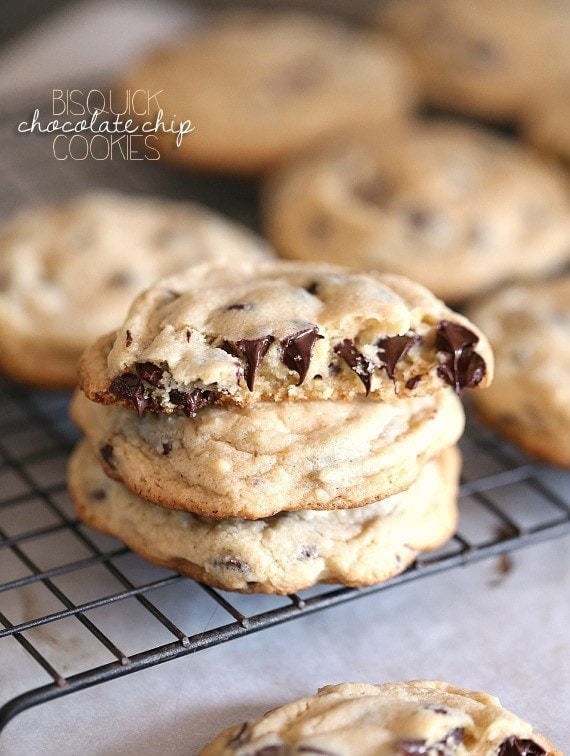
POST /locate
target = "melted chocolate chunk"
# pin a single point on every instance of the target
(192, 401)
(393, 348)
(419, 747)
(247, 306)
(232, 563)
(107, 455)
(166, 448)
(98, 494)
(463, 367)
(297, 349)
(356, 361)
(412, 382)
(149, 372)
(128, 339)
(253, 351)
(129, 386)
(514, 746)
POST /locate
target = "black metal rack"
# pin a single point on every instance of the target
(55, 571)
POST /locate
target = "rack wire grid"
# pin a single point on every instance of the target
(65, 590)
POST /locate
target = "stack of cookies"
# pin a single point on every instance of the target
(269, 425)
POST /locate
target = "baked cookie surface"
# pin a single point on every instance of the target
(453, 206)
(491, 59)
(283, 553)
(258, 86)
(69, 272)
(268, 457)
(251, 331)
(529, 402)
(399, 718)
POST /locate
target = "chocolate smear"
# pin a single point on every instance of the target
(356, 361)
(412, 382)
(247, 306)
(514, 746)
(232, 563)
(312, 288)
(128, 339)
(253, 351)
(149, 372)
(393, 348)
(419, 747)
(462, 367)
(129, 386)
(192, 401)
(107, 455)
(297, 349)
(166, 448)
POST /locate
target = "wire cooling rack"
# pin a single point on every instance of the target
(69, 597)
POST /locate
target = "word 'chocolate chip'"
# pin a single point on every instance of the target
(393, 348)
(514, 746)
(297, 349)
(253, 351)
(463, 367)
(356, 361)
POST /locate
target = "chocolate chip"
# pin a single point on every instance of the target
(297, 349)
(437, 709)
(99, 494)
(356, 361)
(253, 351)
(393, 348)
(108, 455)
(192, 401)
(247, 306)
(232, 563)
(128, 339)
(150, 372)
(514, 746)
(462, 367)
(120, 279)
(129, 386)
(412, 382)
(307, 552)
(166, 448)
(312, 288)
(188, 335)
(420, 747)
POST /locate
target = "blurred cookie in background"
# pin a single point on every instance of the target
(453, 206)
(69, 272)
(529, 401)
(547, 124)
(260, 86)
(487, 58)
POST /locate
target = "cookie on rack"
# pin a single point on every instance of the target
(219, 334)
(259, 86)
(69, 272)
(255, 461)
(529, 402)
(283, 553)
(487, 58)
(453, 206)
(405, 718)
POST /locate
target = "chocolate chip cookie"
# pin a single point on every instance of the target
(255, 461)
(68, 272)
(405, 718)
(492, 59)
(453, 206)
(529, 402)
(283, 553)
(278, 330)
(260, 86)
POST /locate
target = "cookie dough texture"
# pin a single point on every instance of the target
(491, 59)
(455, 207)
(269, 457)
(69, 272)
(405, 718)
(529, 402)
(281, 330)
(279, 554)
(258, 86)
